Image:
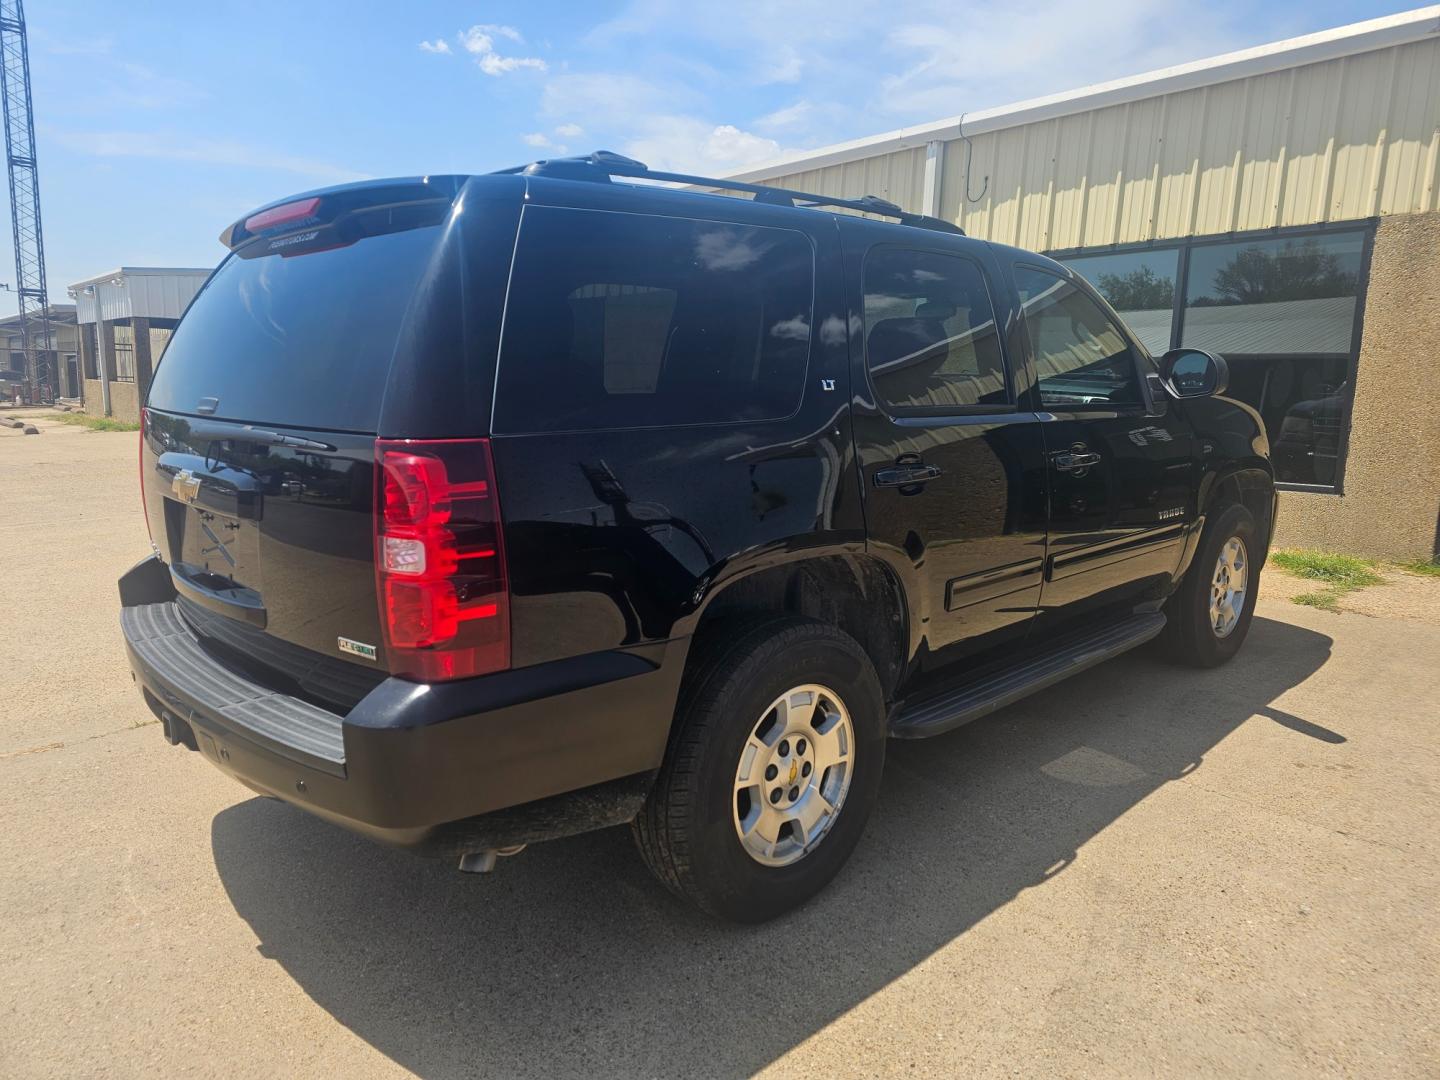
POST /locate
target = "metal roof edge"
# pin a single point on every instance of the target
(1367, 36)
(141, 271)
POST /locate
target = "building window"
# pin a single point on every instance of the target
(124, 352)
(1274, 296)
(1284, 309)
(1140, 285)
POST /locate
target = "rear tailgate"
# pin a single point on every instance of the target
(258, 457)
(270, 547)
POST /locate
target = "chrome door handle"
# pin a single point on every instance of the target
(902, 475)
(1072, 461)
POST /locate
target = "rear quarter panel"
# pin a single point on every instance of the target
(616, 538)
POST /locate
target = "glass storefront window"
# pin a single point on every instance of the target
(1282, 310)
(1140, 285)
(1274, 296)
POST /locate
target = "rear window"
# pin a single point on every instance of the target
(627, 320)
(303, 340)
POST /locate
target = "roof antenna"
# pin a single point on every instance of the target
(969, 157)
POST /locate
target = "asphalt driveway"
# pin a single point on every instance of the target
(1146, 871)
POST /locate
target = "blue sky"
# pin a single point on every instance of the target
(158, 124)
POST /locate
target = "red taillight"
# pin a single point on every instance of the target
(279, 215)
(144, 509)
(440, 558)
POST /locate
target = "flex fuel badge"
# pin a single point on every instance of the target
(357, 648)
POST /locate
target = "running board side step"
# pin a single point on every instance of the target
(1075, 654)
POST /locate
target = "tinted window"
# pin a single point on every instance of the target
(1140, 285)
(1081, 358)
(626, 320)
(304, 340)
(1274, 296)
(1304, 402)
(930, 334)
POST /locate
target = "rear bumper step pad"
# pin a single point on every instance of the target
(167, 646)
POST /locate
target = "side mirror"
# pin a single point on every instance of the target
(1195, 373)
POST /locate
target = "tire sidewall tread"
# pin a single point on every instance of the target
(1189, 638)
(685, 831)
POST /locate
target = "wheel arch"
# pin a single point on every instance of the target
(1250, 485)
(855, 593)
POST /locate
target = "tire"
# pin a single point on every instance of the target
(1191, 635)
(689, 831)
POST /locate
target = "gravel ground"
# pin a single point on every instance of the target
(1144, 872)
(1400, 595)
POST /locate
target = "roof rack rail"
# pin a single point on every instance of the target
(601, 165)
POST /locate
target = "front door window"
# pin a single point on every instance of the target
(1080, 356)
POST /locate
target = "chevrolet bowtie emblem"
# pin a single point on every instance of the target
(186, 486)
(794, 772)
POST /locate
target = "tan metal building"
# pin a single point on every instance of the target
(1279, 205)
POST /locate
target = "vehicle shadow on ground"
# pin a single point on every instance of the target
(571, 960)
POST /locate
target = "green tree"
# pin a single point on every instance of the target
(1140, 290)
(1299, 271)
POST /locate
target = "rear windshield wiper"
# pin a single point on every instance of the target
(257, 435)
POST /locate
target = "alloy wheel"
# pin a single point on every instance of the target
(1227, 587)
(793, 775)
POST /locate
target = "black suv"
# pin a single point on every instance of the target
(492, 509)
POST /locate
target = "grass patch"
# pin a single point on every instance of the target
(1428, 567)
(94, 423)
(1340, 574)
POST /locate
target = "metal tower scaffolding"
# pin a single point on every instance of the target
(25, 199)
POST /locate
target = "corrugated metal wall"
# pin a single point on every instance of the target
(1333, 141)
(162, 296)
(155, 296)
(899, 177)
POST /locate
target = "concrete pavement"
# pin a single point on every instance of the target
(1146, 871)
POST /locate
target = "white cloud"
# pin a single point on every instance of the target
(660, 125)
(926, 59)
(479, 42)
(541, 141)
(493, 64)
(783, 65)
(569, 131)
(672, 101)
(791, 116)
(688, 144)
(439, 45)
(1051, 45)
(493, 30)
(227, 152)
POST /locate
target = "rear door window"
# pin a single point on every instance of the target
(301, 340)
(930, 336)
(626, 320)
